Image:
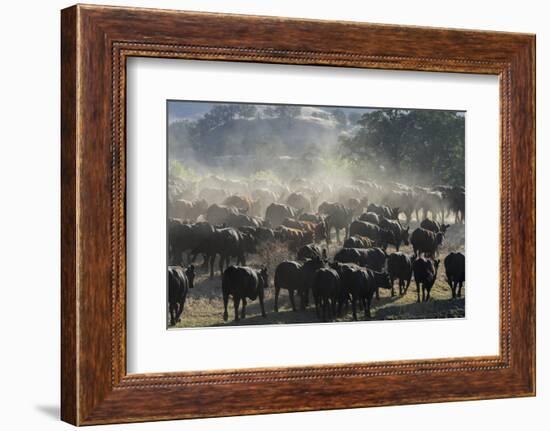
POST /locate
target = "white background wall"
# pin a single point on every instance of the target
(29, 215)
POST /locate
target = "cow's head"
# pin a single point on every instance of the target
(395, 212)
(387, 237)
(190, 273)
(444, 227)
(382, 279)
(317, 262)
(439, 237)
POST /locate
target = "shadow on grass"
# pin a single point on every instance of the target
(433, 309)
(282, 316)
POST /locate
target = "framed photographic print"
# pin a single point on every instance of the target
(325, 214)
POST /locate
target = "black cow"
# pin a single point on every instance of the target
(384, 211)
(327, 208)
(357, 283)
(309, 251)
(179, 283)
(381, 237)
(227, 243)
(455, 270)
(373, 258)
(260, 234)
(381, 279)
(400, 268)
(299, 201)
(313, 218)
(425, 241)
(276, 213)
(370, 217)
(338, 219)
(241, 220)
(185, 238)
(218, 214)
(289, 276)
(326, 291)
(242, 282)
(187, 210)
(434, 226)
(357, 241)
(425, 273)
(400, 234)
(297, 278)
(457, 203)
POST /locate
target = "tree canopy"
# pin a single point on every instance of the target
(407, 145)
(422, 145)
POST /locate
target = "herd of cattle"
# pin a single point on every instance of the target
(232, 219)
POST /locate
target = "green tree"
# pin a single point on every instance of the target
(340, 117)
(423, 145)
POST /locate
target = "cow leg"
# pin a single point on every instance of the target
(236, 301)
(291, 298)
(317, 305)
(367, 308)
(363, 302)
(304, 298)
(222, 259)
(180, 310)
(205, 262)
(243, 311)
(417, 291)
(276, 306)
(377, 293)
(212, 260)
(392, 291)
(333, 303)
(225, 300)
(341, 301)
(172, 314)
(261, 298)
(354, 307)
(460, 289)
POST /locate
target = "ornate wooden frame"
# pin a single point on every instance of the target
(95, 43)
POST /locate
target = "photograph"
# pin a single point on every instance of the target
(288, 214)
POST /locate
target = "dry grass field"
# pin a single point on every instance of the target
(204, 305)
